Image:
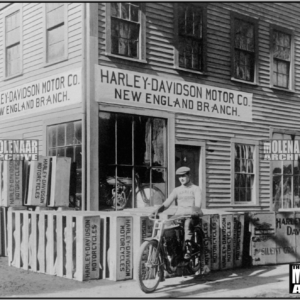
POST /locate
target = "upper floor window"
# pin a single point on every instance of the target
(245, 171)
(56, 32)
(244, 54)
(189, 26)
(281, 58)
(13, 43)
(126, 22)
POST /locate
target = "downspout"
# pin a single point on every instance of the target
(84, 99)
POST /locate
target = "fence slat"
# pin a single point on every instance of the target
(60, 246)
(25, 239)
(10, 236)
(41, 243)
(69, 247)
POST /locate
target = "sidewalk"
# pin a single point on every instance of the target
(256, 282)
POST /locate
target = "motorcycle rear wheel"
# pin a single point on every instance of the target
(150, 268)
(194, 264)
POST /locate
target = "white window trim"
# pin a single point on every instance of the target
(291, 87)
(9, 11)
(66, 36)
(255, 199)
(142, 36)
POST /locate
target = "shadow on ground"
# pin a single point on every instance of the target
(229, 280)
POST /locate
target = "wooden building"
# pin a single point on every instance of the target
(131, 91)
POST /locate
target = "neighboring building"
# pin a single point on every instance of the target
(142, 88)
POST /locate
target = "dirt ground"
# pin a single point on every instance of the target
(255, 282)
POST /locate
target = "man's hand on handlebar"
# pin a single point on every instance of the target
(154, 214)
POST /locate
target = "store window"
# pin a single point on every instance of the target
(65, 139)
(190, 36)
(56, 33)
(244, 52)
(133, 160)
(126, 24)
(286, 179)
(244, 173)
(13, 56)
(282, 58)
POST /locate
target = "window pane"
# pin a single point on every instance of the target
(236, 194)
(287, 196)
(61, 151)
(124, 139)
(70, 152)
(13, 65)
(158, 142)
(135, 13)
(242, 194)
(70, 134)
(287, 167)
(56, 51)
(296, 184)
(55, 35)
(115, 9)
(277, 167)
(277, 192)
(142, 140)
(61, 134)
(107, 138)
(55, 17)
(142, 187)
(78, 133)
(125, 11)
(12, 21)
(78, 157)
(237, 166)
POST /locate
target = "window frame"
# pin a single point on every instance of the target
(45, 42)
(279, 131)
(170, 132)
(255, 197)
(142, 35)
(255, 21)
(12, 9)
(290, 32)
(203, 6)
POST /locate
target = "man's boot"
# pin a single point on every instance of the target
(188, 249)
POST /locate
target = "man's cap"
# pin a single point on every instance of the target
(182, 170)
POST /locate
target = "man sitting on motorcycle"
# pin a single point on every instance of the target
(188, 197)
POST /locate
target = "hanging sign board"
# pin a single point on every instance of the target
(41, 95)
(153, 92)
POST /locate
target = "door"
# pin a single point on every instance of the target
(188, 156)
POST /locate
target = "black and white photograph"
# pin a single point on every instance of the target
(150, 149)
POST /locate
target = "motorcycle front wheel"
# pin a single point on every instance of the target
(150, 268)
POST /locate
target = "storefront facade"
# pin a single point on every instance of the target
(133, 91)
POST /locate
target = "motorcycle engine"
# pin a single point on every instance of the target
(173, 246)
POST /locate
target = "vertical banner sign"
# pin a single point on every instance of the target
(91, 247)
(205, 226)
(215, 241)
(153, 92)
(51, 92)
(226, 241)
(238, 238)
(297, 235)
(146, 228)
(285, 231)
(263, 239)
(124, 248)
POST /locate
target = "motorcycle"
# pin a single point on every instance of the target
(165, 250)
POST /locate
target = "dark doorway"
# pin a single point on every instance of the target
(188, 156)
